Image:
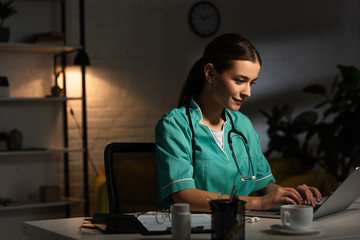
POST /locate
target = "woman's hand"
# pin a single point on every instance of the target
(274, 194)
(308, 194)
(279, 195)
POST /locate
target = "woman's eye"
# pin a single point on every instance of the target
(252, 83)
(239, 81)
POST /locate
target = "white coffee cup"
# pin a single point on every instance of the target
(296, 217)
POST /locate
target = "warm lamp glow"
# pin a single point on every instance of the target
(73, 82)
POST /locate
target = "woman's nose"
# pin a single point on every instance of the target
(246, 92)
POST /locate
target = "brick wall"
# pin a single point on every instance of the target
(141, 52)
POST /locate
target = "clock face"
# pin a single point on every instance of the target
(204, 18)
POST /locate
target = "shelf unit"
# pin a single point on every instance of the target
(59, 50)
(39, 99)
(38, 151)
(31, 205)
(39, 48)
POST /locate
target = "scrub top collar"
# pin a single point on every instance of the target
(196, 113)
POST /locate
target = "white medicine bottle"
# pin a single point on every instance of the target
(180, 221)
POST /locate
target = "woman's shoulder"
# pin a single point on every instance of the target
(176, 115)
(239, 117)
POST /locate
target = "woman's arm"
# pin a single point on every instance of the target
(199, 199)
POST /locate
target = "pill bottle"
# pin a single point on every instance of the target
(180, 221)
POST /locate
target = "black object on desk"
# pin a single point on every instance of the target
(228, 218)
(116, 223)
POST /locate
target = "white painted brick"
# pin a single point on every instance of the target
(141, 52)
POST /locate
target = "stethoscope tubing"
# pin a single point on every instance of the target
(233, 130)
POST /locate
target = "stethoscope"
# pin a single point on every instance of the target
(233, 130)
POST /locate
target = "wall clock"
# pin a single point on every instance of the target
(204, 18)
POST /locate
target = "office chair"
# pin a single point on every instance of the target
(130, 170)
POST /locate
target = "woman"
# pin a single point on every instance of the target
(206, 146)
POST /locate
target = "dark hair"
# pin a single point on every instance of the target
(219, 52)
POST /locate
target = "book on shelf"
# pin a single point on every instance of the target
(57, 38)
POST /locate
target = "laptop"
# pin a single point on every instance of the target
(338, 201)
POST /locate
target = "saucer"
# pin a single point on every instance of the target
(311, 230)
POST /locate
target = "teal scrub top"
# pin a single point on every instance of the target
(215, 169)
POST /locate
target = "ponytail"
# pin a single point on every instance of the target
(194, 83)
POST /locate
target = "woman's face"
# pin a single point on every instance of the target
(232, 87)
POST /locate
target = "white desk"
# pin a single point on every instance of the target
(337, 226)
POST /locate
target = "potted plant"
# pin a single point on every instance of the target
(339, 131)
(333, 142)
(285, 133)
(6, 10)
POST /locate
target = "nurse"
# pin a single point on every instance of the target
(206, 146)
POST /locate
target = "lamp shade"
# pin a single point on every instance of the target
(82, 58)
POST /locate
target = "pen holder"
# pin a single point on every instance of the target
(227, 219)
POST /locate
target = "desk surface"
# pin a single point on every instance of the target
(342, 225)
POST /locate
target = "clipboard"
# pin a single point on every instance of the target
(145, 224)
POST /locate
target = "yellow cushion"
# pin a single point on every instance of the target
(283, 168)
(101, 203)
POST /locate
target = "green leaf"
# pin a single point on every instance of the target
(282, 111)
(319, 105)
(315, 89)
(304, 121)
(350, 74)
(334, 84)
(6, 10)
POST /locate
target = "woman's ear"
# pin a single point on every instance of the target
(209, 72)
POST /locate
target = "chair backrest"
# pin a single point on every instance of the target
(130, 170)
